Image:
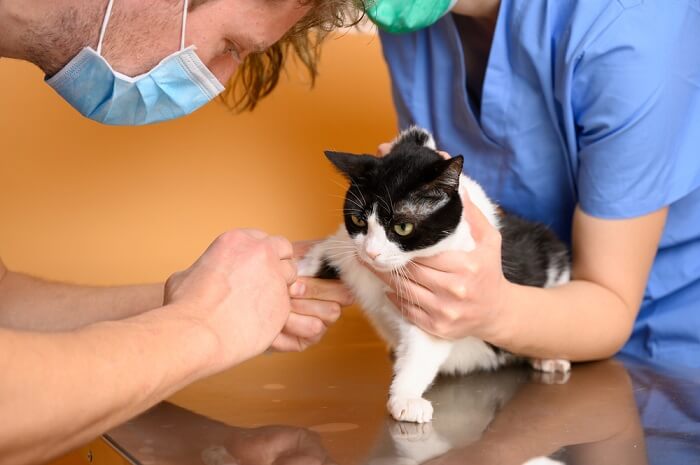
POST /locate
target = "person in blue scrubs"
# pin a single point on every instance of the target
(585, 116)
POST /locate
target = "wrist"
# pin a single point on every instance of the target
(505, 322)
(195, 344)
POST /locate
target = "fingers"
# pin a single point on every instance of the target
(412, 313)
(304, 326)
(322, 289)
(327, 312)
(383, 149)
(416, 294)
(481, 229)
(286, 343)
(289, 271)
(282, 246)
(431, 276)
(446, 262)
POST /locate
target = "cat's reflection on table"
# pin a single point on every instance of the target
(507, 417)
(464, 408)
(512, 416)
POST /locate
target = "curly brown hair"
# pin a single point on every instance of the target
(259, 73)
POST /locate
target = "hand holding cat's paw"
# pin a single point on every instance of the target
(316, 305)
(416, 410)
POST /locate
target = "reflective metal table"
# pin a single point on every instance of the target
(327, 406)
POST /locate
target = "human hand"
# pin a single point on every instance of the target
(316, 305)
(238, 291)
(194, 438)
(278, 445)
(456, 294)
(385, 147)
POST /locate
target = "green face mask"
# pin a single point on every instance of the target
(400, 16)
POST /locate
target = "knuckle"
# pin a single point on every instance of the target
(450, 314)
(231, 236)
(459, 290)
(474, 267)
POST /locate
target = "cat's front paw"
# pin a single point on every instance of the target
(416, 410)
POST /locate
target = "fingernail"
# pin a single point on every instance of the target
(297, 289)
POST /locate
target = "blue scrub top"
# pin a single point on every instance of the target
(593, 103)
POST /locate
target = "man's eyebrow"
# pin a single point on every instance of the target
(258, 47)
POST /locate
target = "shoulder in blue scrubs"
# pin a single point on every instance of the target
(593, 103)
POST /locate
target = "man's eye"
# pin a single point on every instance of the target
(234, 51)
(357, 221)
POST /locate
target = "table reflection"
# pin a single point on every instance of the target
(502, 418)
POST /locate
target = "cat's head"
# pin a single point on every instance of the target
(402, 203)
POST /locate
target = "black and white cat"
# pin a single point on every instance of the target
(407, 205)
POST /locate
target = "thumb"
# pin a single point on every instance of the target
(481, 229)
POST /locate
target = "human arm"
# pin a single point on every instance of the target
(466, 293)
(33, 304)
(194, 438)
(61, 389)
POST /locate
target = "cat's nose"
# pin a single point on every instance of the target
(373, 254)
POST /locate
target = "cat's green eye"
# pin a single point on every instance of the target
(403, 229)
(357, 221)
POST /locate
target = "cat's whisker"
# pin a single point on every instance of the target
(399, 289)
(391, 202)
(359, 190)
(413, 298)
(359, 201)
(354, 201)
(386, 205)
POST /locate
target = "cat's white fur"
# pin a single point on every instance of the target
(419, 355)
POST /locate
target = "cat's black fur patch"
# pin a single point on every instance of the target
(414, 174)
(409, 173)
(327, 271)
(528, 250)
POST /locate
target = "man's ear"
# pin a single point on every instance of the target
(351, 166)
(447, 179)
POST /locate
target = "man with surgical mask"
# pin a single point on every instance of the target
(79, 360)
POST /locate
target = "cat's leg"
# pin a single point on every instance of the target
(311, 263)
(418, 359)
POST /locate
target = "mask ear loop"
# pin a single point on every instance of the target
(184, 25)
(105, 22)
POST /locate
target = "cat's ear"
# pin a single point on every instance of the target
(447, 179)
(415, 136)
(351, 166)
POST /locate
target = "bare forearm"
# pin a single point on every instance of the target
(101, 375)
(28, 303)
(578, 321)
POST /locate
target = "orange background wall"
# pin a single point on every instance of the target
(93, 204)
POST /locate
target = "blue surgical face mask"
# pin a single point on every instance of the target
(401, 16)
(177, 86)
